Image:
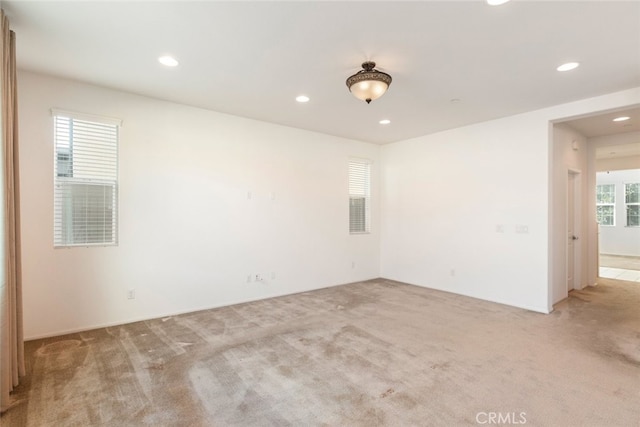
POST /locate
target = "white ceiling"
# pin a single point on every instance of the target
(603, 124)
(616, 151)
(251, 59)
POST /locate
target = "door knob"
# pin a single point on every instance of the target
(574, 237)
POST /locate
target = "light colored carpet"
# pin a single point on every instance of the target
(364, 354)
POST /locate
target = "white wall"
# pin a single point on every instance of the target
(619, 239)
(189, 235)
(444, 196)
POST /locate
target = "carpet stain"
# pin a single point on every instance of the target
(285, 371)
(405, 401)
(441, 366)
(156, 365)
(58, 347)
(387, 393)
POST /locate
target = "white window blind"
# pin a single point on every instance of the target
(359, 196)
(85, 181)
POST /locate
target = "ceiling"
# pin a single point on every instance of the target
(617, 151)
(453, 63)
(603, 124)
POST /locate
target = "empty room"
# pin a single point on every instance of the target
(320, 213)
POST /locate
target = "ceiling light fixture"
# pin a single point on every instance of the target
(621, 119)
(169, 61)
(384, 121)
(496, 2)
(368, 84)
(568, 66)
(302, 98)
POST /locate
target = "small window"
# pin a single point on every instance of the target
(605, 204)
(359, 196)
(632, 204)
(85, 181)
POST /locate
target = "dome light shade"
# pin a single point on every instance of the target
(368, 84)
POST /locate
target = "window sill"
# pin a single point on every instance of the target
(86, 245)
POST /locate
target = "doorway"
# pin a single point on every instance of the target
(573, 225)
(575, 157)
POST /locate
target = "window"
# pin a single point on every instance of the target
(605, 204)
(85, 180)
(359, 196)
(632, 202)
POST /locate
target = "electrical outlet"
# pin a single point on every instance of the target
(131, 294)
(259, 278)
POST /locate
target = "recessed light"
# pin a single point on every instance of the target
(496, 2)
(621, 119)
(384, 121)
(568, 66)
(302, 98)
(169, 61)
(455, 101)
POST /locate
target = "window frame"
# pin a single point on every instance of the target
(627, 204)
(65, 185)
(611, 204)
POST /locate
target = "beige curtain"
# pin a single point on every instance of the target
(11, 336)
